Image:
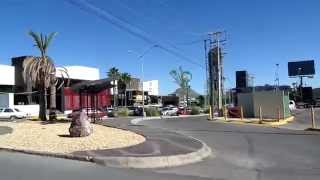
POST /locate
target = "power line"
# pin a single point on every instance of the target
(191, 42)
(126, 26)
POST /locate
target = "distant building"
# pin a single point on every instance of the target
(152, 87)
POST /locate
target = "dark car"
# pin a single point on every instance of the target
(138, 111)
(184, 111)
(92, 113)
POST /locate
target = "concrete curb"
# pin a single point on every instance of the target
(255, 122)
(48, 154)
(156, 161)
(138, 120)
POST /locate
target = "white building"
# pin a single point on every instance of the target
(13, 88)
(79, 72)
(152, 87)
(7, 82)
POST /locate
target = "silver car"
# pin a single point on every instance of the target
(11, 113)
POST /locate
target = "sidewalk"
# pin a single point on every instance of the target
(255, 121)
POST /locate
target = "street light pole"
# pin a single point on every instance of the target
(142, 77)
(140, 57)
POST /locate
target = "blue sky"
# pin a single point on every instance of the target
(260, 35)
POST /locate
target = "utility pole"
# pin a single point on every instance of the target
(277, 80)
(252, 82)
(216, 70)
(207, 81)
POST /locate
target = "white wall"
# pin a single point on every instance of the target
(6, 75)
(32, 110)
(80, 72)
(11, 100)
(152, 87)
(6, 100)
(115, 88)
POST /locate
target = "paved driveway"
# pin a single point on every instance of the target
(248, 152)
(302, 119)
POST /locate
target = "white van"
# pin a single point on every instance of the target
(292, 105)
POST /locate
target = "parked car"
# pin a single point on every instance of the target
(301, 105)
(92, 113)
(110, 112)
(12, 113)
(184, 111)
(317, 102)
(138, 111)
(292, 105)
(169, 111)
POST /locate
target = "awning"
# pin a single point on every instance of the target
(92, 86)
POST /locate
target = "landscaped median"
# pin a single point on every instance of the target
(54, 138)
(255, 121)
(127, 146)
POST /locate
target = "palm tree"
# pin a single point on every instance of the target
(40, 70)
(182, 79)
(114, 75)
(125, 78)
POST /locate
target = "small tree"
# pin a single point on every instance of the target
(200, 100)
(41, 72)
(114, 75)
(182, 79)
(125, 78)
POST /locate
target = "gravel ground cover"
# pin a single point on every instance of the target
(53, 138)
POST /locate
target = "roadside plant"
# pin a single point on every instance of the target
(182, 78)
(40, 72)
(152, 111)
(114, 75)
(195, 110)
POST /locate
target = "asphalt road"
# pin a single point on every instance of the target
(248, 152)
(242, 152)
(16, 166)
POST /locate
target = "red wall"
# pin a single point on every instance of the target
(72, 99)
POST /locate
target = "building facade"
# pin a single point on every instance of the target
(152, 87)
(7, 83)
(21, 93)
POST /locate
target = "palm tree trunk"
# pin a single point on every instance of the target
(53, 103)
(114, 94)
(125, 97)
(42, 104)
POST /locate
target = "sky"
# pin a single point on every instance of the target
(260, 34)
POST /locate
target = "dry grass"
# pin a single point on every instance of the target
(54, 138)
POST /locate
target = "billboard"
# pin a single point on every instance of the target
(301, 68)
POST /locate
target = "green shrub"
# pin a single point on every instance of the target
(151, 111)
(206, 110)
(112, 114)
(195, 110)
(122, 112)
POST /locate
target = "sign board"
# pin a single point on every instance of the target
(301, 68)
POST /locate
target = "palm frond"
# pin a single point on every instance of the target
(181, 77)
(37, 39)
(49, 38)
